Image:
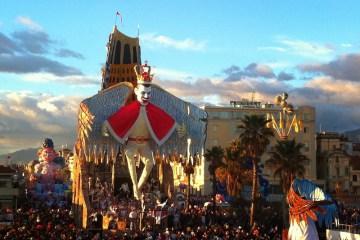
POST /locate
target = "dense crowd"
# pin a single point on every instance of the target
(36, 220)
(349, 216)
(157, 218)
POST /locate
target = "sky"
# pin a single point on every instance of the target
(205, 52)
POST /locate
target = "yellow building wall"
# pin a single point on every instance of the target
(222, 129)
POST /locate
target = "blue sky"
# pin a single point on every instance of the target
(51, 53)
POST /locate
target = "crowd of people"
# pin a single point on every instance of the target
(120, 216)
(349, 216)
(41, 220)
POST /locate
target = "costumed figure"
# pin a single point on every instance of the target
(308, 203)
(49, 164)
(136, 124)
(112, 126)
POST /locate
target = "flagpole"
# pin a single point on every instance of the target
(138, 32)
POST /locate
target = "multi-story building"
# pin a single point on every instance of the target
(223, 125)
(9, 188)
(355, 175)
(333, 161)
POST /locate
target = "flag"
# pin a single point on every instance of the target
(118, 14)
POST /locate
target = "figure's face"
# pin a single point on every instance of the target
(48, 154)
(143, 94)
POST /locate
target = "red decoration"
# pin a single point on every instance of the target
(160, 123)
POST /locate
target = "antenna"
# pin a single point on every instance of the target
(253, 95)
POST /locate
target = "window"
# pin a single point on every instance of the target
(134, 55)
(305, 129)
(117, 52)
(337, 172)
(354, 178)
(238, 115)
(337, 159)
(3, 184)
(346, 171)
(306, 116)
(127, 55)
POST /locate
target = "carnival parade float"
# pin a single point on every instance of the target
(131, 128)
(48, 176)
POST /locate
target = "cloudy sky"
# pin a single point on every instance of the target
(51, 54)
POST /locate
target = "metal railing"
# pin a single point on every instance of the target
(346, 228)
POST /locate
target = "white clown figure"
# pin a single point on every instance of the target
(137, 124)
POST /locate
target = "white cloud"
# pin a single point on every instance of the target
(337, 91)
(153, 40)
(171, 74)
(278, 65)
(307, 49)
(29, 23)
(301, 48)
(48, 106)
(72, 79)
(346, 45)
(276, 49)
(27, 117)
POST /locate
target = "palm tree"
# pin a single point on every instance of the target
(215, 156)
(288, 161)
(235, 170)
(255, 137)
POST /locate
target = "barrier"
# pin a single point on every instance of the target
(343, 232)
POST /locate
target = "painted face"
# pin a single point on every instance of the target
(143, 94)
(48, 154)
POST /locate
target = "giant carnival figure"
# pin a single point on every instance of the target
(116, 127)
(136, 124)
(307, 204)
(47, 173)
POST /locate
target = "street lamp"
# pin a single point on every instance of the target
(286, 120)
(188, 170)
(188, 167)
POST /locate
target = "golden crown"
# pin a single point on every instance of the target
(145, 76)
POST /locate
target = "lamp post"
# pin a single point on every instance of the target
(188, 166)
(286, 120)
(188, 170)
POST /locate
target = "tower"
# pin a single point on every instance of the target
(123, 53)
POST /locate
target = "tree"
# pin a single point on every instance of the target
(236, 173)
(287, 161)
(254, 138)
(215, 156)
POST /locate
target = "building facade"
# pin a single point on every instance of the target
(333, 161)
(223, 125)
(355, 175)
(123, 53)
(9, 188)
